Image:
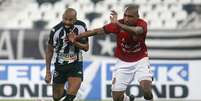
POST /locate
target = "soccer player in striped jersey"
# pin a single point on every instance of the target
(67, 55)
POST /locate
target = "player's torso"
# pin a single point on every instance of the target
(130, 48)
(129, 43)
(65, 51)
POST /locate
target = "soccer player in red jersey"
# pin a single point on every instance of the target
(131, 51)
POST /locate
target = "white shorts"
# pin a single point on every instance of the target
(125, 72)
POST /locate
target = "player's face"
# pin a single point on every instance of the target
(69, 19)
(129, 17)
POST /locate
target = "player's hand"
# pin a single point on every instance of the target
(78, 37)
(48, 77)
(72, 37)
(113, 16)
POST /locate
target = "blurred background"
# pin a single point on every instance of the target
(174, 47)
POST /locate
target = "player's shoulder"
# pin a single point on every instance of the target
(141, 21)
(57, 26)
(79, 22)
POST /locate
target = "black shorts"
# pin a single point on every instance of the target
(62, 72)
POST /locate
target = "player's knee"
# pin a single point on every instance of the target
(148, 95)
(118, 96)
(73, 89)
(146, 88)
(72, 92)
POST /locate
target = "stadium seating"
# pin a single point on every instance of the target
(161, 14)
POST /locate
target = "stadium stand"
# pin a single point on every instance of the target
(161, 14)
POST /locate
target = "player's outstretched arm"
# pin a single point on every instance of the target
(89, 33)
(84, 46)
(135, 30)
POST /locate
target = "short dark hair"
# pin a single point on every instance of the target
(71, 10)
(132, 7)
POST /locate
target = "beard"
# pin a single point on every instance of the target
(68, 25)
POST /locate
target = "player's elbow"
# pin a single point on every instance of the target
(139, 30)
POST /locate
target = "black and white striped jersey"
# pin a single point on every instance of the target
(64, 51)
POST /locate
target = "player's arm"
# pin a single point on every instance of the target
(82, 43)
(48, 59)
(134, 30)
(93, 32)
(48, 56)
(83, 46)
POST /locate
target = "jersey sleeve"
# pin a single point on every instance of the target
(111, 28)
(51, 37)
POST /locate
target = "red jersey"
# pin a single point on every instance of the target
(129, 47)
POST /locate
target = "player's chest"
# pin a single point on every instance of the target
(63, 35)
(125, 37)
